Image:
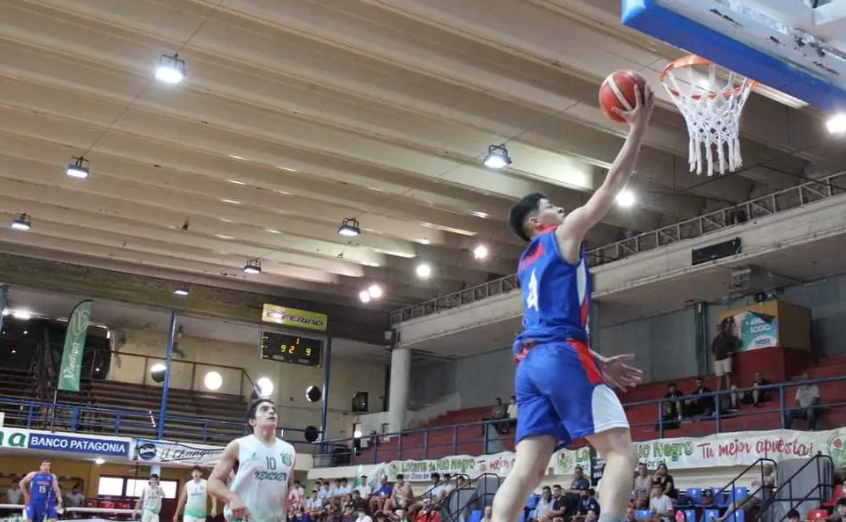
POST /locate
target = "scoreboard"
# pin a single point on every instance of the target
(288, 348)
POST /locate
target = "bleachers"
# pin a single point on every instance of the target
(445, 439)
(102, 404)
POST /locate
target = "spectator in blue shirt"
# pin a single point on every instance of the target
(587, 502)
(579, 482)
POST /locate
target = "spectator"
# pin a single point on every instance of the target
(13, 494)
(544, 507)
(429, 499)
(630, 514)
(839, 514)
(591, 516)
(665, 480)
(377, 501)
(672, 407)
(512, 409)
(336, 491)
(707, 497)
(587, 502)
(299, 488)
(401, 497)
(642, 487)
(579, 483)
(562, 506)
(364, 488)
(700, 406)
(488, 512)
(807, 398)
(660, 504)
(314, 503)
(325, 493)
(75, 500)
(725, 346)
(460, 481)
(793, 516)
(447, 484)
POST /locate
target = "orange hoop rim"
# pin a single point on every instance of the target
(689, 61)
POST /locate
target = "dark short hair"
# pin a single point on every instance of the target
(154, 476)
(793, 514)
(520, 211)
(841, 501)
(400, 476)
(254, 404)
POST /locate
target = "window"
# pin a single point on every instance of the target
(110, 487)
(134, 487)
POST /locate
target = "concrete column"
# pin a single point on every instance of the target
(399, 386)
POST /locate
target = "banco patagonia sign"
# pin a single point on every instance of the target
(293, 317)
(63, 442)
(79, 444)
(159, 452)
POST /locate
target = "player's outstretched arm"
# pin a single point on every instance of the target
(572, 232)
(139, 502)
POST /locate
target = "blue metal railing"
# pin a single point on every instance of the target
(125, 422)
(477, 438)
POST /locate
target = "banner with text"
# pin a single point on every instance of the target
(161, 452)
(715, 451)
(75, 335)
(15, 438)
(287, 316)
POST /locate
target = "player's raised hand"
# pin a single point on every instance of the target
(619, 374)
(638, 117)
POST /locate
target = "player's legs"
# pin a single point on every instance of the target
(52, 514)
(31, 513)
(615, 445)
(533, 454)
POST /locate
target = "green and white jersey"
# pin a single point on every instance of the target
(262, 478)
(152, 499)
(196, 499)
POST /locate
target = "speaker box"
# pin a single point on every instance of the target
(713, 252)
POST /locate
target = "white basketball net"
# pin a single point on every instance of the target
(712, 115)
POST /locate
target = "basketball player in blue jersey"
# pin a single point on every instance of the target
(44, 497)
(561, 385)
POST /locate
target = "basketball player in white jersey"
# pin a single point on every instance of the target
(194, 499)
(150, 501)
(264, 470)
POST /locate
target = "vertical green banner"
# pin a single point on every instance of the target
(75, 336)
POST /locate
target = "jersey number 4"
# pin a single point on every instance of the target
(532, 298)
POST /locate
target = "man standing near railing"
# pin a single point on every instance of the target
(562, 386)
(44, 499)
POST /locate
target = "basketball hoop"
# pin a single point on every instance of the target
(712, 113)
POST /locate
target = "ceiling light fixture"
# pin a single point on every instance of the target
(836, 124)
(480, 252)
(350, 227)
(171, 69)
(364, 295)
(497, 157)
(181, 291)
(78, 168)
(22, 222)
(253, 266)
(423, 270)
(625, 198)
(375, 291)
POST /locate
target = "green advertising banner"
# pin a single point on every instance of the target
(75, 336)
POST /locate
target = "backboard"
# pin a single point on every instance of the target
(795, 46)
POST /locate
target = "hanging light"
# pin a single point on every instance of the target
(21, 223)
(253, 266)
(171, 69)
(78, 168)
(423, 270)
(480, 252)
(837, 124)
(181, 291)
(364, 295)
(625, 198)
(350, 228)
(497, 157)
(375, 291)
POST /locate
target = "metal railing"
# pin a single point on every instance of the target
(72, 418)
(482, 438)
(722, 219)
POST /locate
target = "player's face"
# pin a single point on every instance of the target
(154, 482)
(196, 475)
(265, 416)
(45, 467)
(548, 215)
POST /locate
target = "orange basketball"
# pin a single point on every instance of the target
(618, 91)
